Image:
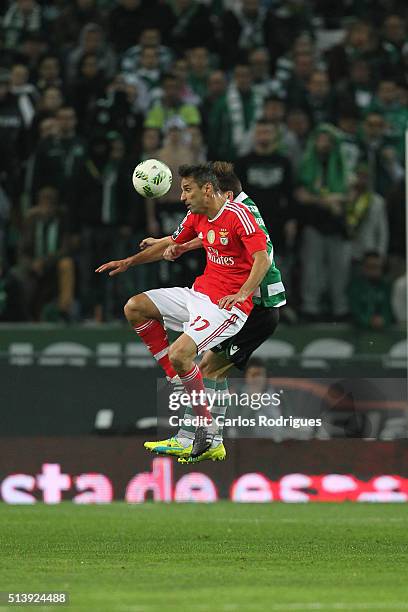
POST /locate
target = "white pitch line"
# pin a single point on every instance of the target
(337, 606)
(289, 607)
(135, 608)
(328, 521)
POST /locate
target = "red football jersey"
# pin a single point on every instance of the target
(230, 239)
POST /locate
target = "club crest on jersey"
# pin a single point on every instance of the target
(224, 236)
(211, 236)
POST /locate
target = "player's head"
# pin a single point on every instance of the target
(199, 185)
(230, 184)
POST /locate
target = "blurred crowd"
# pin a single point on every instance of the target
(309, 99)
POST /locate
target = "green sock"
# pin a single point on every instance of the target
(187, 430)
(221, 403)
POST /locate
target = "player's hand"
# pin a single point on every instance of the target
(115, 267)
(229, 301)
(173, 251)
(148, 242)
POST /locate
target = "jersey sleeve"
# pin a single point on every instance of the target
(186, 230)
(251, 235)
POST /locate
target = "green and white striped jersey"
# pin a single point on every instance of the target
(271, 292)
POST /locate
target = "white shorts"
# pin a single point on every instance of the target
(191, 312)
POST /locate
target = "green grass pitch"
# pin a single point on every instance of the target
(216, 557)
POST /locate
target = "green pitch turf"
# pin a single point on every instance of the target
(216, 557)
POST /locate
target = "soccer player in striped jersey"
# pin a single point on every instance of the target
(235, 351)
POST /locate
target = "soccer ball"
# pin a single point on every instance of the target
(151, 178)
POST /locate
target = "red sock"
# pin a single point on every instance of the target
(155, 338)
(193, 381)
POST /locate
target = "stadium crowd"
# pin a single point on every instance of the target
(309, 99)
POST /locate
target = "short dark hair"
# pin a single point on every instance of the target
(227, 178)
(201, 173)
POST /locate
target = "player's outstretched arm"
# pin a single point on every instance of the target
(176, 250)
(192, 245)
(150, 241)
(259, 269)
(149, 255)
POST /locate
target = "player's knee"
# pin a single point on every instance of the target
(132, 308)
(179, 357)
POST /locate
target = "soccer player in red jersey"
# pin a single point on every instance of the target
(220, 300)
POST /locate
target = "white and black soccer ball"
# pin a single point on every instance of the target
(152, 178)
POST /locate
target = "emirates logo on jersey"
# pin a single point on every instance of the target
(224, 236)
(214, 256)
(211, 236)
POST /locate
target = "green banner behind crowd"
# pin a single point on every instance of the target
(311, 346)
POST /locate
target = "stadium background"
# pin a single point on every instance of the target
(87, 90)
